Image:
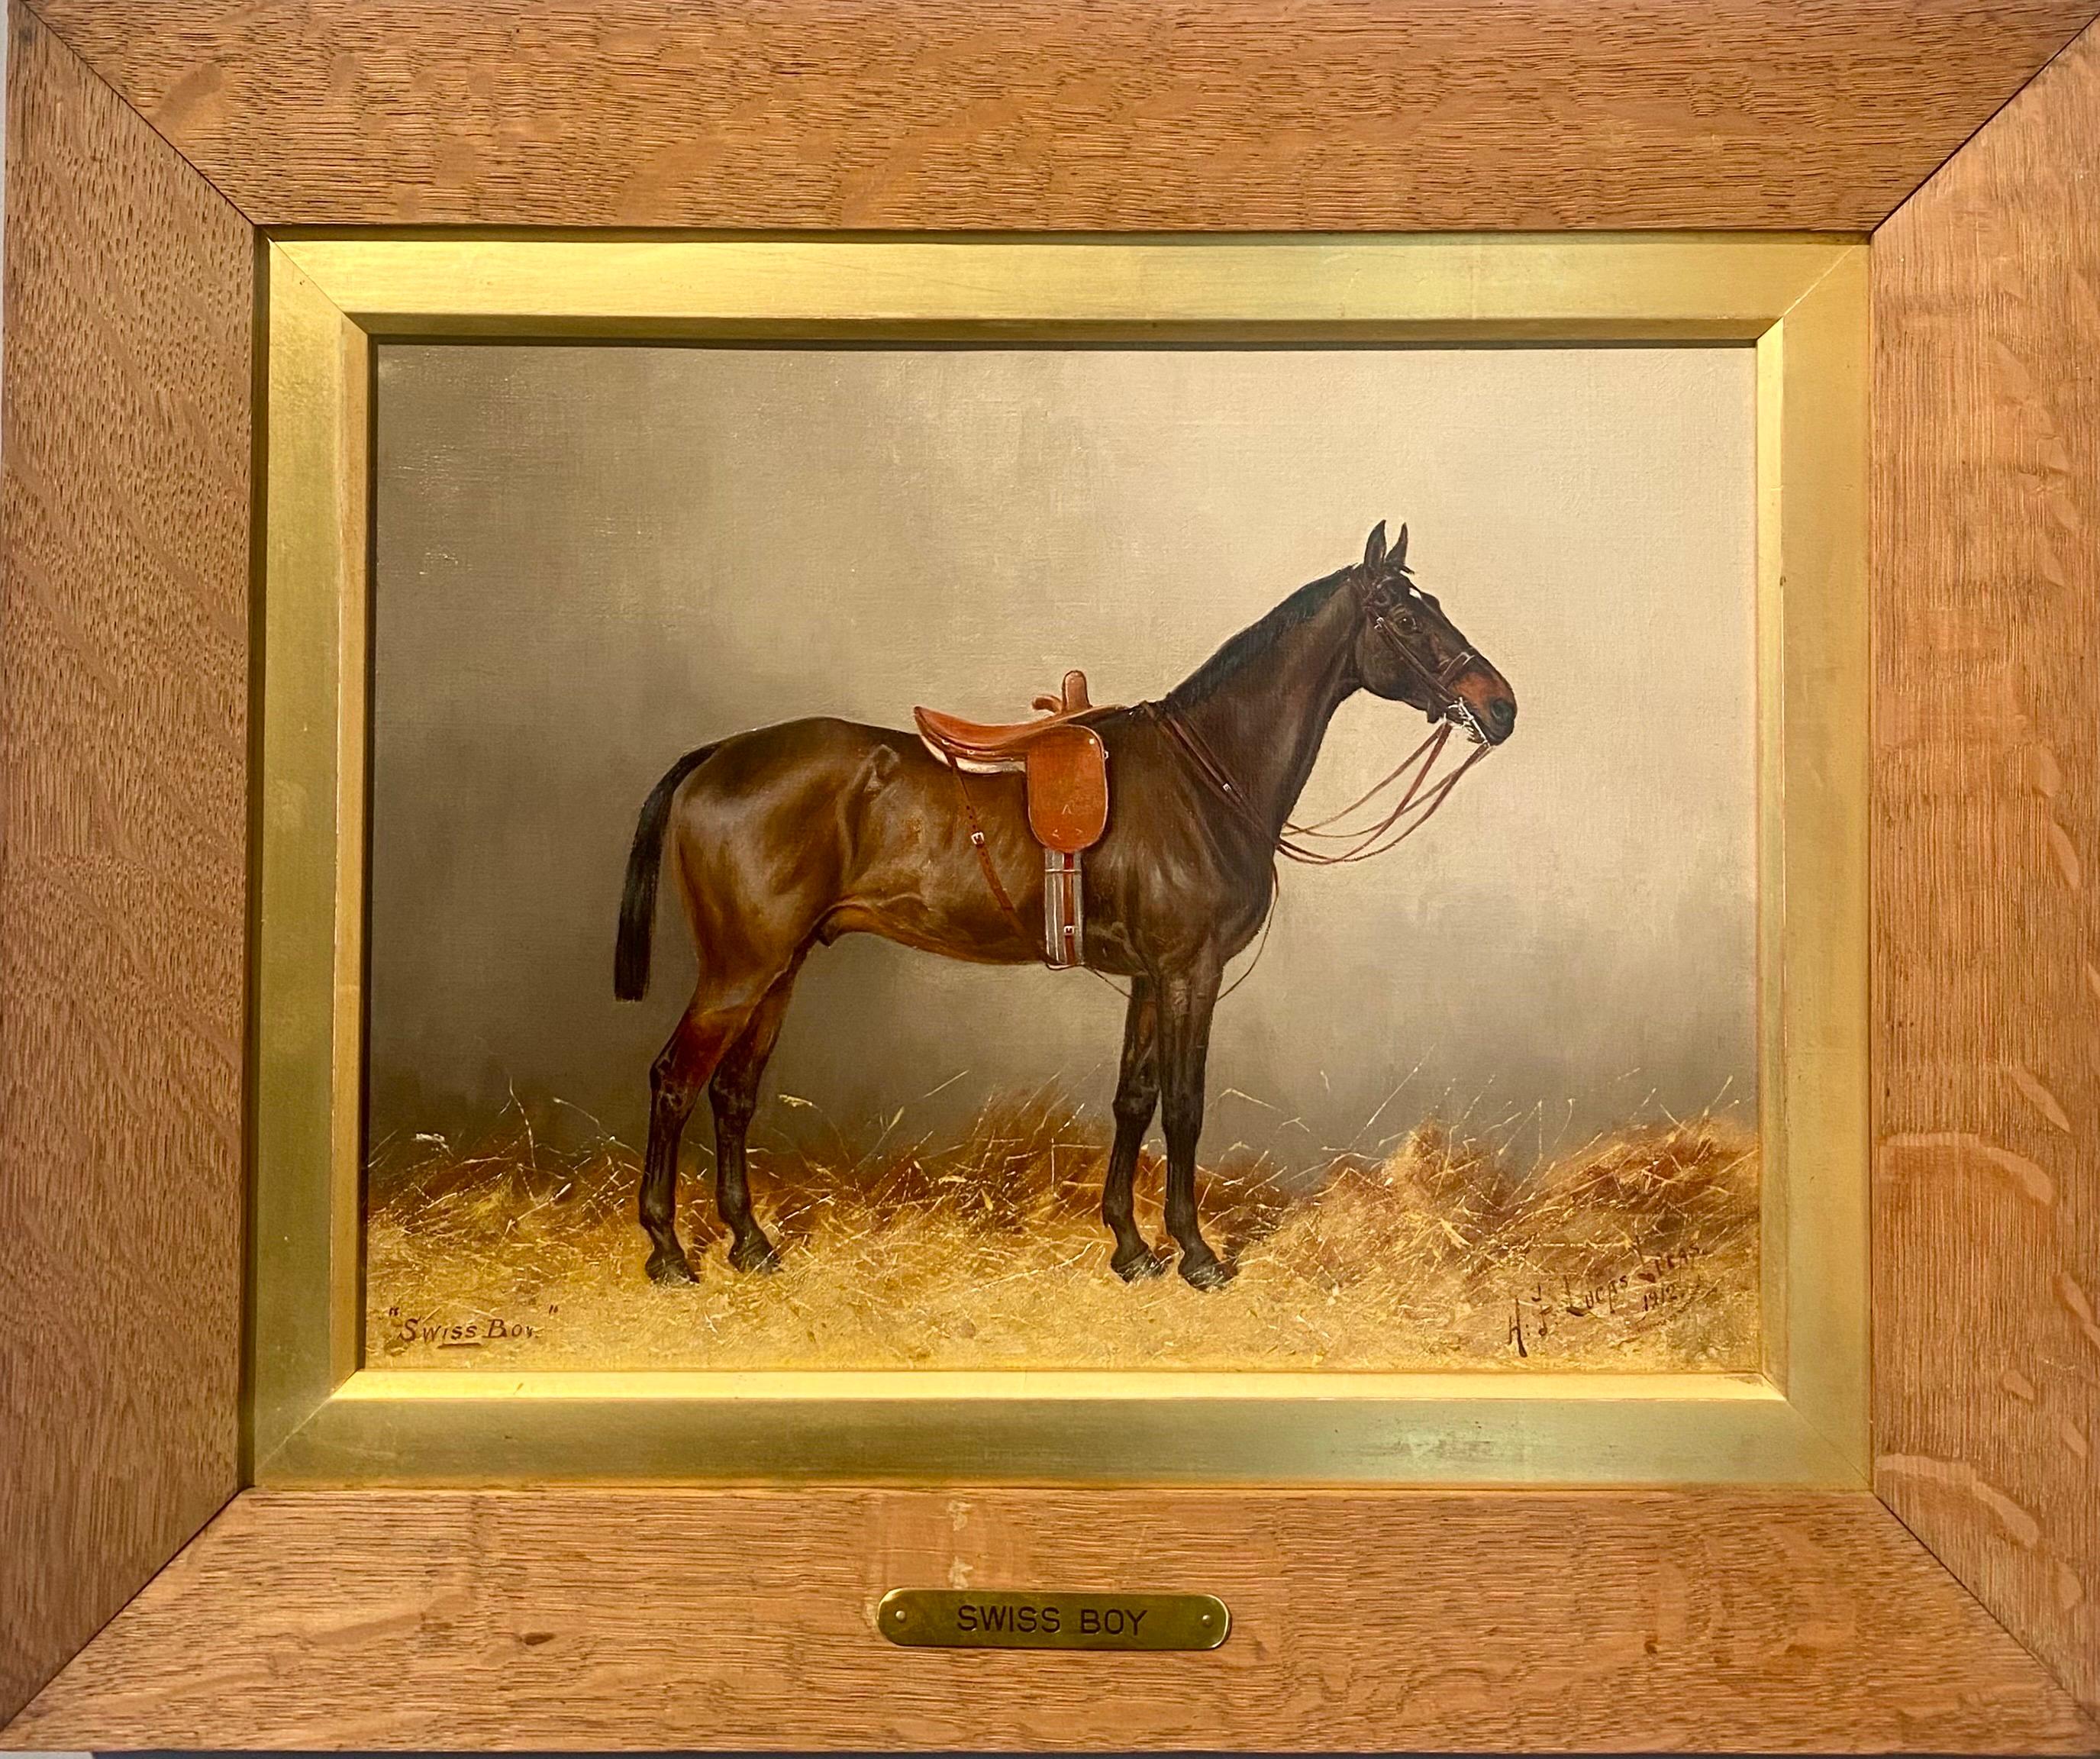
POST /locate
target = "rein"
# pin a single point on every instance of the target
(1365, 843)
(1451, 710)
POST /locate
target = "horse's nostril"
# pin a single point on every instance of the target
(1502, 714)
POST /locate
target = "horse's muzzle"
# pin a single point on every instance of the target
(1497, 719)
(1485, 723)
(1483, 704)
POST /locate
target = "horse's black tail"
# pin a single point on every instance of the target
(638, 904)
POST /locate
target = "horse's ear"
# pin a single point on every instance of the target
(1375, 550)
(1398, 559)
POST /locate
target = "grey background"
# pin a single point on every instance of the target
(591, 559)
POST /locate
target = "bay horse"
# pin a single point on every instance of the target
(785, 838)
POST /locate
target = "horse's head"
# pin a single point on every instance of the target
(1408, 651)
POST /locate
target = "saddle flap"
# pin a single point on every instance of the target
(1068, 789)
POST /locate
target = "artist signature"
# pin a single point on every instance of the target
(473, 1333)
(1662, 1282)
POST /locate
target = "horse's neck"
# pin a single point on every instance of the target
(1266, 721)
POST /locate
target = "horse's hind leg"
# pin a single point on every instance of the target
(733, 1092)
(681, 1069)
(1137, 1095)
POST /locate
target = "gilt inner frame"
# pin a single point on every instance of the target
(315, 1416)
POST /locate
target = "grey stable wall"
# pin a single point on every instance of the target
(591, 559)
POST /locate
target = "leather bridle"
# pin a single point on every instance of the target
(1446, 703)
(1446, 707)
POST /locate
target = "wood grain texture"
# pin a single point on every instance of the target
(1408, 1620)
(1987, 855)
(1225, 115)
(123, 685)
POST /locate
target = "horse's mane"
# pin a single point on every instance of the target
(1254, 641)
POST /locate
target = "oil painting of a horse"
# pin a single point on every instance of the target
(785, 838)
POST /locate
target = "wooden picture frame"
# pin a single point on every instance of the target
(149, 1599)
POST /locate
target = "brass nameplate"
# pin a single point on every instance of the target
(992, 1618)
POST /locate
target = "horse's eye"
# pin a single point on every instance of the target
(1406, 621)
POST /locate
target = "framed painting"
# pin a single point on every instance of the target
(1663, 1280)
(835, 849)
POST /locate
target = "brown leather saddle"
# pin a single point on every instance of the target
(1066, 770)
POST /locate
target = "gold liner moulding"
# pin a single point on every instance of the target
(320, 1412)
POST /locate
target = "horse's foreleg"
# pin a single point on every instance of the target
(733, 1093)
(1186, 1001)
(1137, 1096)
(681, 1070)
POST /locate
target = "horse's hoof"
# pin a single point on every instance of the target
(754, 1252)
(1137, 1266)
(1208, 1272)
(668, 1267)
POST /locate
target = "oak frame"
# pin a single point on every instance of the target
(131, 286)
